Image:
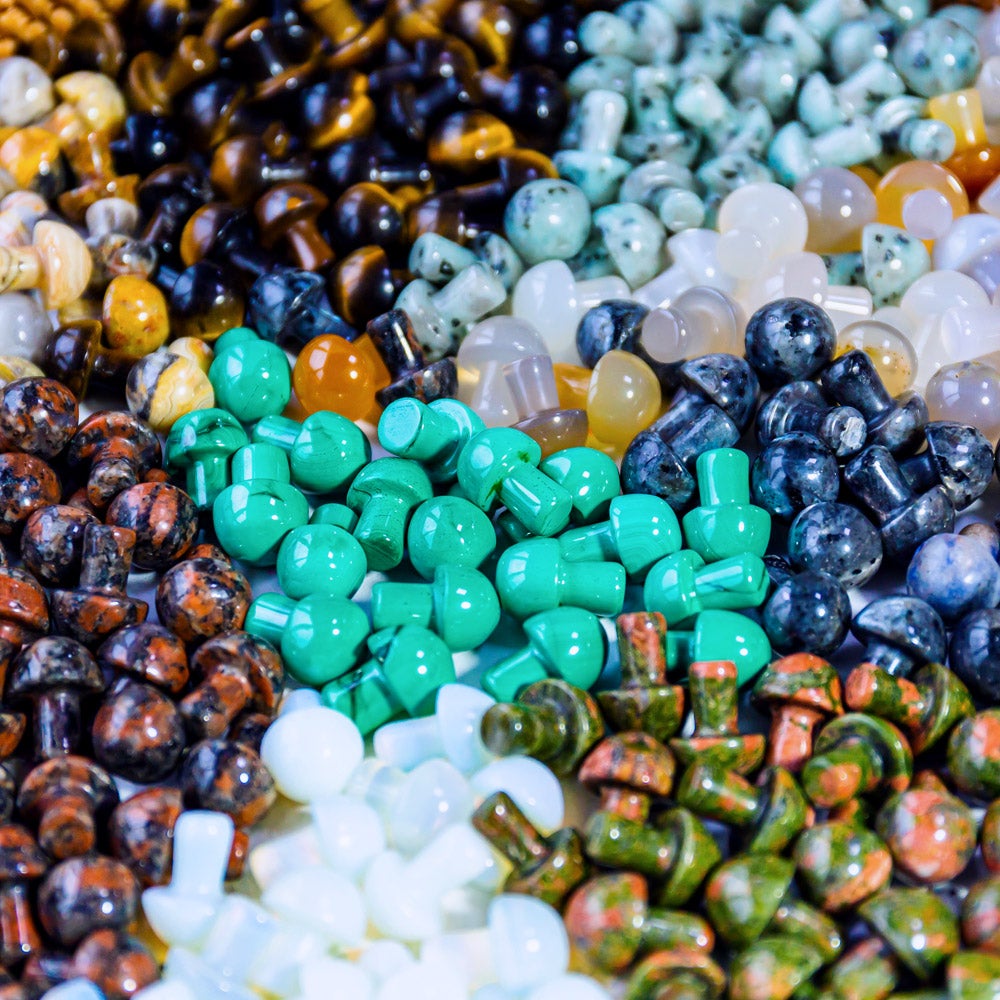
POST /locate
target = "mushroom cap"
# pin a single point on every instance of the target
(53, 662)
(743, 894)
(905, 623)
(727, 381)
(286, 204)
(657, 971)
(883, 737)
(12, 726)
(917, 924)
(70, 775)
(52, 541)
(83, 894)
(630, 760)
(772, 968)
(571, 643)
(148, 651)
(819, 855)
(115, 961)
(93, 435)
(604, 918)
(950, 702)
(394, 477)
(227, 777)
(963, 459)
(489, 458)
(801, 679)
(25, 604)
(68, 263)
(203, 434)
(256, 658)
(783, 814)
(20, 855)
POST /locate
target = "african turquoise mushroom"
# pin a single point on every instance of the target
(675, 850)
(931, 833)
(678, 973)
(610, 922)
(840, 863)
(772, 968)
(720, 635)
(772, 813)
(681, 585)
(974, 755)
(628, 770)
(856, 754)
(751, 895)
(533, 576)
(253, 515)
(499, 467)
(551, 721)
(408, 666)
(726, 524)
(325, 452)
(717, 738)
(384, 494)
(200, 445)
(565, 642)
(548, 868)
(640, 530)
(928, 707)
(645, 701)
(460, 605)
(802, 690)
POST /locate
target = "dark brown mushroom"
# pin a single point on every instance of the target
(68, 799)
(21, 861)
(227, 777)
(288, 213)
(27, 484)
(55, 673)
(234, 672)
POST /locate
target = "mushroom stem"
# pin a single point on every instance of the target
(18, 933)
(57, 723)
(791, 740)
